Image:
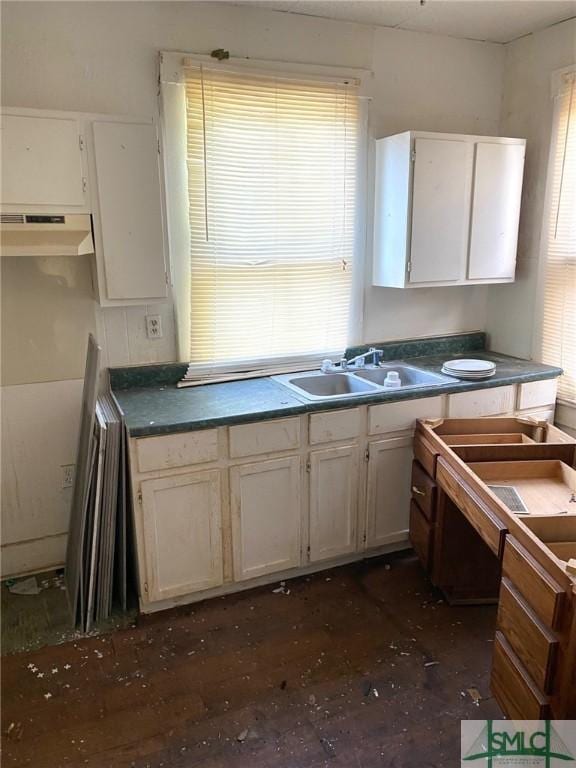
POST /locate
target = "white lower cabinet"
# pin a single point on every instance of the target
(265, 501)
(333, 502)
(388, 492)
(182, 529)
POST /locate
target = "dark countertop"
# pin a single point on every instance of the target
(164, 408)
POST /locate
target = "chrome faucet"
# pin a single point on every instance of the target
(376, 355)
(356, 362)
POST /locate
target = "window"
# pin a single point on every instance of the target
(559, 322)
(272, 193)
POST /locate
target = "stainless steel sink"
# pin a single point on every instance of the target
(409, 376)
(322, 386)
(327, 386)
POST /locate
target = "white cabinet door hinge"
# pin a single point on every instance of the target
(367, 454)
(139, 497)
(81, 142)
(84, 183)
(409, 267)
(308, 466)
(413, 156)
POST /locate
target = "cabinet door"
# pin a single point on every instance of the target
(182, 534)
(440, 210)
(333, 502)
(42, 162)
(495, 211)
(266, 517)
(129, 228)
(389, 472)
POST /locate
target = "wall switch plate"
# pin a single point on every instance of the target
(67, 475)
(154, 326)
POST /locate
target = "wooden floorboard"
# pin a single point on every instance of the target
(357, 667)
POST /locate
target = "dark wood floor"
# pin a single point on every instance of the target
(357, 667)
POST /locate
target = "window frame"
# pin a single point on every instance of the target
(173, 139)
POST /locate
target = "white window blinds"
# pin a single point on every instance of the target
(559, 323)
(272, 195)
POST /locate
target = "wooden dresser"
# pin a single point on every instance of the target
(477, 550)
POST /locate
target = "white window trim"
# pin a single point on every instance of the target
(556, 83)
(172, 117)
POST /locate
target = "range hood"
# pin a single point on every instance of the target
(33, 234)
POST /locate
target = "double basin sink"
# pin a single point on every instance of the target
(363, 381)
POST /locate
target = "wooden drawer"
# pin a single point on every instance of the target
(396, 417)
(264, 437)
(534, 644)
(511, 685)
(491, 529)
(426, 454)
(544, 595)
(334, 425)
(534, 394)
(423, 491)
(179, 450)
(421, 536)
(483, 402)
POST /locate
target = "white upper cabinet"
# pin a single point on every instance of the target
(496, 210)
(446, 209)
(127, 207)
(42, 163)
(440, 210)
(105, 165)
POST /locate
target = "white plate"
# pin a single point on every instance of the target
(469, 376)
(470, 366)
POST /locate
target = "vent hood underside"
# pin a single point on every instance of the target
(45, 235)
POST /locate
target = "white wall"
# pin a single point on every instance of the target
(431, 83)
(527, 112)
(102, 57)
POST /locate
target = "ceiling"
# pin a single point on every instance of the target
(498, 21)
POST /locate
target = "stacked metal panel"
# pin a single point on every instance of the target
(96, 559)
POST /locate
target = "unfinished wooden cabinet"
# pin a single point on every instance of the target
(388, 491)
(447, 209)
(182, 532)
(266, 512)
(333, 502)
(505, 492)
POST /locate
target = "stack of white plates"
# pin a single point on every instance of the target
(469, 369)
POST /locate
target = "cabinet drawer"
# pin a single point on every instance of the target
(532, 642)
(511, 685)
(492, 530)
(544, 595)
(425, 454)
(421, 536)
(423, 491)
(334, 425)
(264, 437)
(181, 450)
(483, 402)
(396, 417)
(534, 394)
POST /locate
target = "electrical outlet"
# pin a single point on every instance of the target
(67, 475)
(154, 326)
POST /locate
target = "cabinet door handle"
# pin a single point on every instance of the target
(417, 492)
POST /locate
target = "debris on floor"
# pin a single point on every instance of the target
(27, 586)
(475, 695)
